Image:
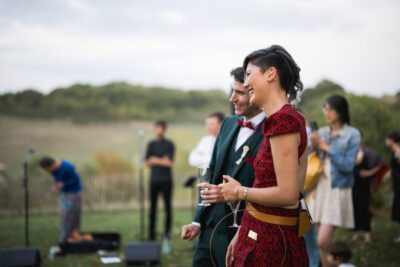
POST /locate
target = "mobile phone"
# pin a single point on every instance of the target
(314, 126)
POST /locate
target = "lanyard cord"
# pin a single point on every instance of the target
(226, 216)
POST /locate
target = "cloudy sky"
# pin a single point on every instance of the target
(193, 44)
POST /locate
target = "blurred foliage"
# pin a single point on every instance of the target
(114, 101)
(109, 162)
(374, 117)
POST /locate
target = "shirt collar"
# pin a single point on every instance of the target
(256, 120)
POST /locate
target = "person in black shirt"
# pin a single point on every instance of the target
(159, 157)
(393, 141)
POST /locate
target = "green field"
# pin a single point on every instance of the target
(44, 233)
(79, 144)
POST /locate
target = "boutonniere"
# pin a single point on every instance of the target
(244, 153)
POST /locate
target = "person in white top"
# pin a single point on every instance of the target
(201, 155)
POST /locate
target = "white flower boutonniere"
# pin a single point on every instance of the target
(244, 153)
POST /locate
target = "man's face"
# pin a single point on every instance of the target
(240, 98)
(213, 125)
(160, 130)
(51, 169)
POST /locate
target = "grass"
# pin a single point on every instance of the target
(44, 233)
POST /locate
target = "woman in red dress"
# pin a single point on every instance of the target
(268, 235)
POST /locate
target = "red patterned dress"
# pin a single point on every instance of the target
(275, 245)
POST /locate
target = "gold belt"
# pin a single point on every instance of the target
(268, 218)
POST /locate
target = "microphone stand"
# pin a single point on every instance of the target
(25, 185)
(141, 186)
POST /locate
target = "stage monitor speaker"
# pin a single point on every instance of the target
(16, 257)
(147, 253)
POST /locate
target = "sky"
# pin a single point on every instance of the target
(45, 44)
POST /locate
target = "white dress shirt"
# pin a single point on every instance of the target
(245, 132)
(201, 155)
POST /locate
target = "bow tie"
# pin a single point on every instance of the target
(245, 124)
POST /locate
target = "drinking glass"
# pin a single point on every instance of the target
(203, 176)
(234, 205)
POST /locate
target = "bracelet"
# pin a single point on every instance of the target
(245, 193)
(236, 191)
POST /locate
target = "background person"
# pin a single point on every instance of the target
(393, 142)
(311, 236)
(331, 205)
(367, 165)
(68, 185)
(200, 156)
(339, 255)
(159, 157)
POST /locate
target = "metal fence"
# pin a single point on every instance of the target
(101, 192)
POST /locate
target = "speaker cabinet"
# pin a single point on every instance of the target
(147, 253)
(18, 257)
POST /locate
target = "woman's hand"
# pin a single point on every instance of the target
(318, 142)
(366, 173)
(323, 145)
(229, 258)
(315, 139)
(229, 189)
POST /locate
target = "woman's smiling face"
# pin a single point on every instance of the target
(255, 83)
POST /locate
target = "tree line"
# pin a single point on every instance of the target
(122, 101)
(114, 102)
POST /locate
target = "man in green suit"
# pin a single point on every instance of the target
(234, 152)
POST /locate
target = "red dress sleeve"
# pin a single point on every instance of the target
(286, 121)
(281, 123)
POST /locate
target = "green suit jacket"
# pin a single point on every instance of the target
(209, 216)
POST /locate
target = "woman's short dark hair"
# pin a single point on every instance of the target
(288, 71)
(238, 74)
(340, 250)
(340, 105)
(394, 135)
(46, 162)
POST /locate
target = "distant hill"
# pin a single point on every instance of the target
(115, 101)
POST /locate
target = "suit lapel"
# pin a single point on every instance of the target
(253, 145)
(226, 143)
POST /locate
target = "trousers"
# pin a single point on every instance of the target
(164, 187)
